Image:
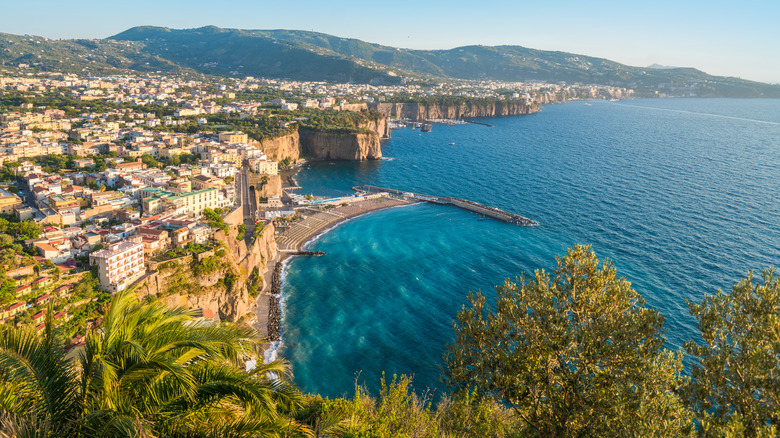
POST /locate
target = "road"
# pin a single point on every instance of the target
(244, 195)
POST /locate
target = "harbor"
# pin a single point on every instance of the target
(471, 206)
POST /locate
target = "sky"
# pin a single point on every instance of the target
(721, 38)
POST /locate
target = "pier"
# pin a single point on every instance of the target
(471, 206)
(478, 123)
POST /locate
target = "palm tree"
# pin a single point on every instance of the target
(37, 384)
(148, 371)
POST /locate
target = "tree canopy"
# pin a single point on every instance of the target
(736, 374)
(576, 354)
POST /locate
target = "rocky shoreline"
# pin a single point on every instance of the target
(274, 311)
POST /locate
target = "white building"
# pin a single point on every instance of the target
(120, 264)
(264, 167)
(220, 170)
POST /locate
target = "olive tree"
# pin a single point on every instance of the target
(735, 383)
(575, 354)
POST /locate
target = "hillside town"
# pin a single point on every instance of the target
(102, 176)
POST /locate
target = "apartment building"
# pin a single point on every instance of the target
(120, 264)
(9, 201)
(264, 166)
(194, 203)
(233, 137)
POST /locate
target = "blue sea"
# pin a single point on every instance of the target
(682, 194)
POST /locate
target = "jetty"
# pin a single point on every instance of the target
(471, 206)
(479, 123)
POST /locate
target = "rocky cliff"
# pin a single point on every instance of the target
(379, 126)
(336, 146)
(277, 149)
(223, 290)
(422, 112)
(176, 284)
(256, 255)
(319, 145)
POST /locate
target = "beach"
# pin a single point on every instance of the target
(316, 221)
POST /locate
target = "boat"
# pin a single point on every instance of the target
(452, 144)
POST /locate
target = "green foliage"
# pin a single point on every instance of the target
(398, 411)
(341, 122)
(207, 265)
(241, 232)
(53, 162)
(149, 161)
(254, 282)
(21, 230)
(86, 287)
(147, 371)
(7, 289)
(230, 280)
(214, 219)
(735, 376)
(571, 355)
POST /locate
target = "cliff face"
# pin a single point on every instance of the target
(176, 283)
(278, 149)
(327, 146)
(379, 126)
(422, 112)
(332, 146)
(258, 255)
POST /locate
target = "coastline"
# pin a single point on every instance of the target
(293, 241)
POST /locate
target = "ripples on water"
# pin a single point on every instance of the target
(682, 194)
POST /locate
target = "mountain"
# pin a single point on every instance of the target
(302, 55)
(95, 57)
(228, 52)
(660, 67)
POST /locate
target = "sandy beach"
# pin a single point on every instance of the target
(316, 221)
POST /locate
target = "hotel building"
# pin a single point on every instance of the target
(120, 264)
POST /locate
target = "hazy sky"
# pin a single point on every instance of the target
(723, 38)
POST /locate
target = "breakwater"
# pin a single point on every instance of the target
(274, 326)
(274, 312)
(479, 123)
(309, 253)
(472, 206)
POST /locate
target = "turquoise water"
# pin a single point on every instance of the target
(683, 194)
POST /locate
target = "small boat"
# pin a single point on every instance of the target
(452, 144)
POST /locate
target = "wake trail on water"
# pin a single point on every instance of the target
(719, 116)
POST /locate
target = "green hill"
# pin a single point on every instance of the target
(234, 52)
(302, 55)
(85, 57)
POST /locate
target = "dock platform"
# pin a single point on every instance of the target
(472, 206)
